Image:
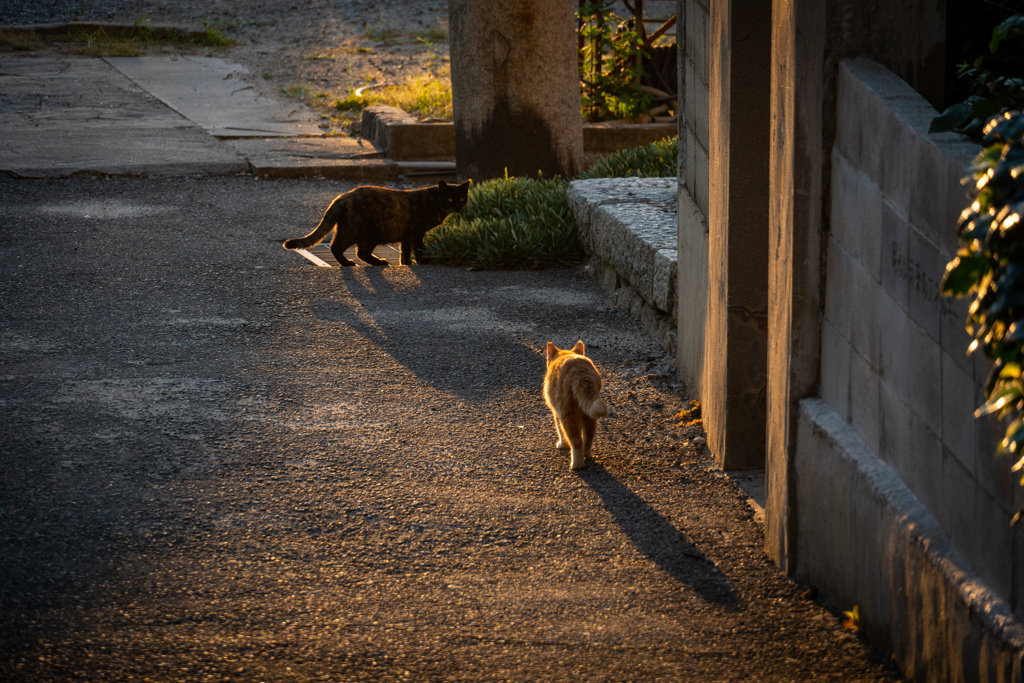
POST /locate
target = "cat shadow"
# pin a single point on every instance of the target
(657, 539)
(429, 335)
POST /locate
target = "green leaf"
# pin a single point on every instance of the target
(1000, 400)
(951, 118)
(962, 274)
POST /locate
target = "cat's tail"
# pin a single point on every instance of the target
(587, 391)
(312, 238)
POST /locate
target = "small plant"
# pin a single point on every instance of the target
(118, 41)
(431, 35)
(304, 92)
(989, 267)
(690, 413)
(611, 64)
(427, 96)
(380, 34)
(852, 620)
(19, 40)
(656, 160)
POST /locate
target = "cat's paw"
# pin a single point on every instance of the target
(576, 462)
(562, 445)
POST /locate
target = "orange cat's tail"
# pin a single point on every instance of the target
(588, 395)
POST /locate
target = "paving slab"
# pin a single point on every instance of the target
(215, 94)
(295, 157)
(65, 114)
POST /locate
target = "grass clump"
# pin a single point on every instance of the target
(427, 96)
(115, 41)
(19, 40)
(509, 223)
(656, 160)
(526, 223)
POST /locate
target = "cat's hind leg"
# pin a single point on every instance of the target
(563, 440)
(589, 431)
(338, 248)
(365, 252)
(573, 431)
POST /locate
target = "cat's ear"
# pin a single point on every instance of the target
(552, 351)
(578, 348)
(442, 184)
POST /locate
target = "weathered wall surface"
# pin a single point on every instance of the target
(894, 360)
(902, 507)
(872, 544)
(515, 88)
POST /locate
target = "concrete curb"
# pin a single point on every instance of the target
(401, 136)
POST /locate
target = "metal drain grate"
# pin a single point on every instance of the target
(320, 255)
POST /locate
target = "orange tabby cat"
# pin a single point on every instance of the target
(572, 389)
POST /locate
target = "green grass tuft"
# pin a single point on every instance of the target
(656, 160)
(427, 95)
(509, 223)
(522, 223)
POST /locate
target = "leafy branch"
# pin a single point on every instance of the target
(989, 267)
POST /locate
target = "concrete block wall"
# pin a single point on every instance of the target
(871, 543)
(893, 352)
(694, 140)
(695, 100)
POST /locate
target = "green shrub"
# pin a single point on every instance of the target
(989, 267)
(526, 223)
(509, 223)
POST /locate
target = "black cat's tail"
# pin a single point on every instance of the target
(312, 238)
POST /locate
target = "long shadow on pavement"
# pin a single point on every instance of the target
(656, 538)
(485, 347)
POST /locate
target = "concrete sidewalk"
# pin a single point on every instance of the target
(161, 115)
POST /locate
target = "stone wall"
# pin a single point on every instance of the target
(628, 228)
(902, 507)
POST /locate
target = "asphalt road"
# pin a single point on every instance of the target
(219, 462)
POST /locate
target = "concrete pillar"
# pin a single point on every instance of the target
(736, 337)
(515, 88)
(799, 91)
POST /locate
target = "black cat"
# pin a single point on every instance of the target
(369, 216)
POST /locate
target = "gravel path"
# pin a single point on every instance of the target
(220, 462)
